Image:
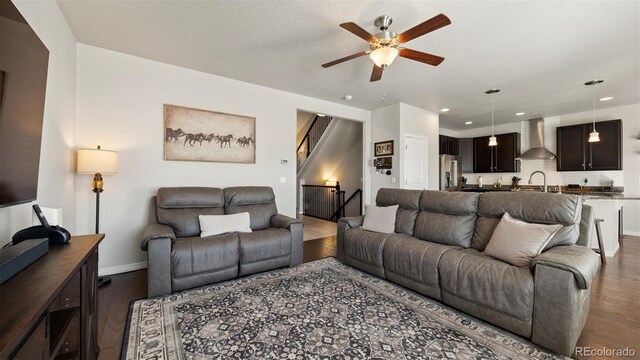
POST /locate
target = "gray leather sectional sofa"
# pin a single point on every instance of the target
(437, 251)
(178, 258)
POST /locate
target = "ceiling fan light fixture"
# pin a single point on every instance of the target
(384, 56)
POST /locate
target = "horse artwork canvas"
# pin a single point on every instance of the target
(203, 135)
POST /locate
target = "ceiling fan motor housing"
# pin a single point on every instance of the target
(383, 22)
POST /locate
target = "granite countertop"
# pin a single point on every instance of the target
(591, 192)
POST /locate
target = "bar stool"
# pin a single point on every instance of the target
(603, 258)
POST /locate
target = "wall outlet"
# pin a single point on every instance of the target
(283, 180)
(284, 161)
(393, 179)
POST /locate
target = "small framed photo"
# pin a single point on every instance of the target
(383, 148)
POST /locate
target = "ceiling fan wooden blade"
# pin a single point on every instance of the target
(346, 58)
(359, 32)
(426, 27)
(376, 73)
(421, 57)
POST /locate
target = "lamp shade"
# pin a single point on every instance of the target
(384, 55)
(594, 136)
(493, 141)
(93, 161)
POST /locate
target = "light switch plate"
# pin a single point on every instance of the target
(284, 161)
(283, 180)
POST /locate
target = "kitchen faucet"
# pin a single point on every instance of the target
(544, 177)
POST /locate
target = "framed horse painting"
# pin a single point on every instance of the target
(203, 135)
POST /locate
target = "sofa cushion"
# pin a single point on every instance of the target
(413, 263)
(487, 282)
(517, 242)
(363, 250)
(179, 207)
(541, 208)
(380, 219)
(264, 250)
(189, 197)
(446, 218)
(258, 201)
(184, 221)
(409, 204)
(195, 255)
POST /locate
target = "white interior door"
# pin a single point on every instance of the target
(415, 163)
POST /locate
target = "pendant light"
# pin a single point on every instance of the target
(594, 136)
(493, 141)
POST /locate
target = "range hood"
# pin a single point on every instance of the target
(537, 151)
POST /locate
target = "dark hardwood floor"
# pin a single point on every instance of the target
(613, 323)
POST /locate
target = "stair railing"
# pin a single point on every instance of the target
(311, 138)
(341, 209)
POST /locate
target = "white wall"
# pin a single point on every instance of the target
(629, 177)
(56, 176)
(120, 106)
(385, 125)
(417, 121)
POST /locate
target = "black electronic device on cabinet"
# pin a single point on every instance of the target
(55, 234)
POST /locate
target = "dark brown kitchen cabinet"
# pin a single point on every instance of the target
(500, 158)
(576, 153)
(482, 155)
(465, 150)
(448, 145)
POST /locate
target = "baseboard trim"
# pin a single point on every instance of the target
(112, 270)
(632, 233)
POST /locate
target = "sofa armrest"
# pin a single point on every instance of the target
(295, 228)
(345, 224)
(159, 267)
(156, 231)
(352, 221)
(282, 221)
(581, 261)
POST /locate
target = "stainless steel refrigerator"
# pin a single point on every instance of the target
(450, 172)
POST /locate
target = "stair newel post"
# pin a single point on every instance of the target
(339, 203)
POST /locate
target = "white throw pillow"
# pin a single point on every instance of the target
(219, 224)
(380, 219)
(518, 242)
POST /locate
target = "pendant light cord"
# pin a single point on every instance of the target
(594, 107)
(491, 114)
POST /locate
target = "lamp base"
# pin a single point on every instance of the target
(104, 281)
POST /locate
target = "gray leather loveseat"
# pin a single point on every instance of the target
(437, 251)
(178, 258)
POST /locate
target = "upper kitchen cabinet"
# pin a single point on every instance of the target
(465, 150)
(500, 158)
(448, 145)
(576, 153)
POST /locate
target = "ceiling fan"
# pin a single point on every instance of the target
(386, 45)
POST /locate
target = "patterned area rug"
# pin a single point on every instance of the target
(318, 310)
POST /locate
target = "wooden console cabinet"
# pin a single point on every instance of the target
(50, 309)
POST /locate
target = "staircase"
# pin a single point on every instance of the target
(311, 139)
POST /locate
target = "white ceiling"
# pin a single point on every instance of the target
(539, 53)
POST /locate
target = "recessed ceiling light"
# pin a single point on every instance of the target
(468, 122)
(348, 97)
(321, 115)
(445, 109)
(519, 114)
(606, 98)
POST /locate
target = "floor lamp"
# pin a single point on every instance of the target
(98, 162)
